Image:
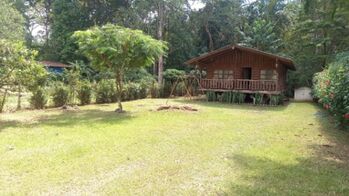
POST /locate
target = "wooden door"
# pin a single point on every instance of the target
(247, 73)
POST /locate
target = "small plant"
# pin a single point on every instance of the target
(131, 91)
(39, 98)
(143, 89)
(227, 97)
(331, 88)
(72, 78)
(180, 89)
(258, 98)
(165, 89)
(85, 93)
(60, 95)
(234, 97)
(275, 99)
(105, 92)
(211, 96)
(241, 97)
(154, 90)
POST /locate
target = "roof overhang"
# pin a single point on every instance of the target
(54, 64)
(285, 61)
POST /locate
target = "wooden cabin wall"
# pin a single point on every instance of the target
(236, 60)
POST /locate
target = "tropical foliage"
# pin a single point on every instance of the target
(331, 87)
(116, 49)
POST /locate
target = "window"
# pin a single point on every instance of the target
(223, 74)
(269, 74)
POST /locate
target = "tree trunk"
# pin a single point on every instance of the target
(119, 86)
(210, 40)
(155, 68)
(19, 97)
(161, 70)
(2, 101)
(160, 37)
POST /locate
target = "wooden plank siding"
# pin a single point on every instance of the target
(236, 60)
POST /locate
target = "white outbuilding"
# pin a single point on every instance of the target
(303, 94)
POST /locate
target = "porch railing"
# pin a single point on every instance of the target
(239, 84)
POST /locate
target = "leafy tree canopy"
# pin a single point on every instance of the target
(118, 49)
(11, 22)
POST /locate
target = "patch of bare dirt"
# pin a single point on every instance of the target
(70, 108)
(175, 107)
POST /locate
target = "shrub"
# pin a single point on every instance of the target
(143, 89)
(60, 95)
(165, 90)
(154, 90)
(331, 87)
(72, 78)
(258, 98)
(131, 91)
(172, 75)
(180, 89)
(138, 76)
(275, 99)
(171, 78)
(211, 96)
(106, 91)
(241, 97)
(227, 97)
(235, 97)
(39, 98)
(85, 93)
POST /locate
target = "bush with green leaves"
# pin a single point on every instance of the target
(72, 78)
(180, 89)
(131, 91)
(331, 88)
(106, 91)
(275, 99)
(227, 97)
(240, 97)
(60, 95)
(258, 98)
(154, 90)
(211, 96)
(85, 93)
(39, 98)
(143, 89)
(138, 76)
(172, 77)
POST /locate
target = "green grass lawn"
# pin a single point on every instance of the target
(221, 149)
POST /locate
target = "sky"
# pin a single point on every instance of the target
(197, 4)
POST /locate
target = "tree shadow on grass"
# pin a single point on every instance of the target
(251, 107)
(70, 118)
(308, 176)
(324, 172)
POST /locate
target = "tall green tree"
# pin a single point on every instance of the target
(11, 22)
(219, 23)
(319, 32)
(116, 49)
(68, 16)
(17, 66)
(261, 35)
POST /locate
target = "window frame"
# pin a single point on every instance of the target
(268, 74)
(223, 74)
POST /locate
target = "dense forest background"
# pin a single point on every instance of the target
(311, 32)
